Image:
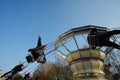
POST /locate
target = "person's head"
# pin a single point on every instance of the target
(21, 64)
(93, 30)
(29, 50)
(44, 47)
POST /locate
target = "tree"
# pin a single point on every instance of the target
(53, 71)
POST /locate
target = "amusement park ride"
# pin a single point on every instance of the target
(86, 63)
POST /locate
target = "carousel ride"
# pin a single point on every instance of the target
(85, 63)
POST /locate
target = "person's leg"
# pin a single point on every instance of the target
(35, 55)
(13, 73)
(42, 58)
(112, 44)
(114, 32)
(42, 51)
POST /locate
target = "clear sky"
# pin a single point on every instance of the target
(21, 21)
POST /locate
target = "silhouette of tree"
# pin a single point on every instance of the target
(53, 71)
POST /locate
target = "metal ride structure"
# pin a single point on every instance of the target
(85, 63)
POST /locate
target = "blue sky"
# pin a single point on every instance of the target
(21, 21)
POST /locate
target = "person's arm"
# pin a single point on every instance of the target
(32, 50)
(6, 74)
(39, 41)
(24, 67)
